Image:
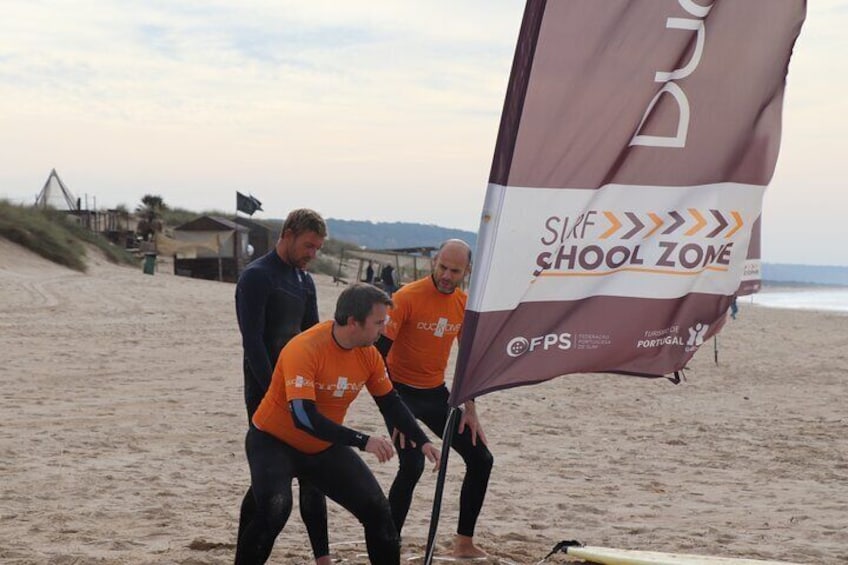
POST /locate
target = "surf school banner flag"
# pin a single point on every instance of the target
(636, 142)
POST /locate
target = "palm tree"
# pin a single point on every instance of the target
(150, 210)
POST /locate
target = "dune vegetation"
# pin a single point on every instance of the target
(55, 236)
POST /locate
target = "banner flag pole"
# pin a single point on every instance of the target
(447, 440)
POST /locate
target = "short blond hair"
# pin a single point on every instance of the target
(304, 220)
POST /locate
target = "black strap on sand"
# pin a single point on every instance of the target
(562, 547)
(679, 376)
(715, 348)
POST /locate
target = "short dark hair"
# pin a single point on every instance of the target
(304, 220)
(358, 300)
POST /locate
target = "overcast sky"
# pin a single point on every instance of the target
(382, 110)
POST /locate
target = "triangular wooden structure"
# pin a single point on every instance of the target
(50, 195)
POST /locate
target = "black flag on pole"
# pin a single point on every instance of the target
(247, 204)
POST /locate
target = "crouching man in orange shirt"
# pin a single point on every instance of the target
(297, 430)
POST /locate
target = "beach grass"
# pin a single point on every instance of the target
(50, 234)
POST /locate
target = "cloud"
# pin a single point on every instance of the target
(190, 62)
(381, 109)
(131, 97)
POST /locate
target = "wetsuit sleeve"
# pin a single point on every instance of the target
(307, 418)
(395, 411)
(310, 316)
(252, 292)
(384, 345)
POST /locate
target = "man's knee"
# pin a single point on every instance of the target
(480, 460)
(311, 498)
(374, 512)
(274, 512)
(378, 517)
(248, 503)
(411, 463)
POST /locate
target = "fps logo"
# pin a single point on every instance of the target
(518, 346)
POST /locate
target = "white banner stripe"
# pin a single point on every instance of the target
(542, 244)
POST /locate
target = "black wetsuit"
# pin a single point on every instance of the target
(430, 405)
(275, 302)
(337, 471)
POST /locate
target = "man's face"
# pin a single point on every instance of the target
(372, 327)
(299, 250)
(450, 267)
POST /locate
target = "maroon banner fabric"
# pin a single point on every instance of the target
(622, 215)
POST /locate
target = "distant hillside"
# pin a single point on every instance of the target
(391, 235)
(804, 274)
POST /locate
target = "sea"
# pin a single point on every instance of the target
(826, 299)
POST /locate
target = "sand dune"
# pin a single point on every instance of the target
(122, 427)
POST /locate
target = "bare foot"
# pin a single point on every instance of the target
(324, 560)
(463, 547)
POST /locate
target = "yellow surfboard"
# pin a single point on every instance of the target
(610, 556)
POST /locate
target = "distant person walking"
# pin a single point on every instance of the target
(388, 279)
(276, 300)
(734, 308)
(369, 273)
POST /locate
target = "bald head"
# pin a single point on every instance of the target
(451, 264)
(455, 246)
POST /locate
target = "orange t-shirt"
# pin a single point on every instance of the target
(423, 325)
(312, 366)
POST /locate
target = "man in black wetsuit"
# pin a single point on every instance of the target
(276, 300)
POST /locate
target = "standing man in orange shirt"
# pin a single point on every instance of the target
(423, 324)
(298, 428)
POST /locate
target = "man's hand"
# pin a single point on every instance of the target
(381, 447)
(400, 440)
(469, 418)
(432, 453)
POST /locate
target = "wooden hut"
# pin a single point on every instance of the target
(211, 247)
(262, 235)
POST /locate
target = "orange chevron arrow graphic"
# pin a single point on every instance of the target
(738, 226)
(615, 225)
(700, 222)
(657, 224)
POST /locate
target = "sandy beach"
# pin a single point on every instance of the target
(121, 436)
